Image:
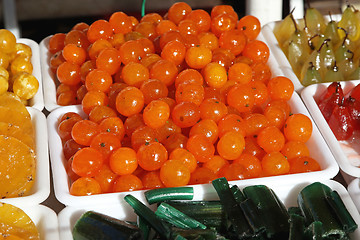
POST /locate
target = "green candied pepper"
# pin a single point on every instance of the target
(268, 205)
(319, 203)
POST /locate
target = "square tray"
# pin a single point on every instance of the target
(286, 193)
(317, 147)
(341, 150)
(41, 188)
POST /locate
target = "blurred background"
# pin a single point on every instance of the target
(37, 19)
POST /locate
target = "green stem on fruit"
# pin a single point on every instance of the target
(143, 8)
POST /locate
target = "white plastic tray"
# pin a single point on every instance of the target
(45, 219)
(317, 147)
(354, 192)
(41, 188)
(340, 149)
(48, 76)
(287, 194)
(38, 100)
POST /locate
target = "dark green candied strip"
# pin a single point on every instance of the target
(197, 234)
(165, 194)
(297, 227)
(314, 205)
(149, 216)
(209, 213)
(337, 205)
(148, 233)
(94, 226)
(238, 195)
(253, 216)
(232, 209)
(294, 210)
(269, 206)
(314, 231)
(177, 218)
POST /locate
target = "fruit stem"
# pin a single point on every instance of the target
(143, 8)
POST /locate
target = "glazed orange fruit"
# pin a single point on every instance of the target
(188, 93)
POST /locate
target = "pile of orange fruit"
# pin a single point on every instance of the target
(173, 100)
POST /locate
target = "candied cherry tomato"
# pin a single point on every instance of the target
(298, 127)
(156, 113)
(201, 147)
(129, 182)
(152, 156)
(129, 101)
(231, 145)
(250, 25)
(185, 114)
(84, 131)
(87, 162)
(275, 163)
(174, 173)
(85, 186)
(123, 161)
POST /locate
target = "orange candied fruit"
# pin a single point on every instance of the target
(174, 99)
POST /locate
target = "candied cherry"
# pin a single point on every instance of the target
(153, 89)
(241, 97)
